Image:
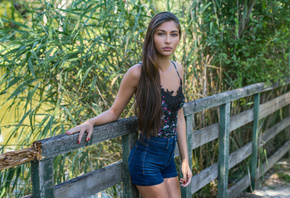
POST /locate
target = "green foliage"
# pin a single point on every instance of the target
(284, 177)
(62, 64)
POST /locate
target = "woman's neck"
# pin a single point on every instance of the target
(163, 62)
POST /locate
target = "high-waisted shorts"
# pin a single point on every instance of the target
(152, 160)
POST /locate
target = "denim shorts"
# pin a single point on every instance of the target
(151, 160)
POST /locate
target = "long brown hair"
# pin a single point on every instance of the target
(148, 95)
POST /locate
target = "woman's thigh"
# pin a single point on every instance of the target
(167, 189)
(173, 187)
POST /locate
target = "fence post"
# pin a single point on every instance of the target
(186, 192)
(223, 159)
(42, 178)
(255, 140)
(128, 141)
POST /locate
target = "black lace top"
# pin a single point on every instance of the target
(170, 106)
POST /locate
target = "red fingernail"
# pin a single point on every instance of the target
(88, 139)
(184, 182)
(78, 142)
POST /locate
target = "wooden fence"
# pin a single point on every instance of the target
(103, 178)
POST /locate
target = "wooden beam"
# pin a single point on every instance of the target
(273, 105)
(242, 184)
(209, 133)
(42, 178)
(239, 187)
(228, 96)
(274, 158)
(128, 142)
(14, 158)
(223, 158)
(60, 144)
(255, 139)
(274, 130)
(186, 192)
(91, 183)
(204, 177)
(210, 173)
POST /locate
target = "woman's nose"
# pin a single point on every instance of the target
(167, 39)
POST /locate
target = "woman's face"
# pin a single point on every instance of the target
(166, 38)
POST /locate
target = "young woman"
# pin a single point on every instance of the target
(159, 111)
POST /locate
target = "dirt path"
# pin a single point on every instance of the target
(276, 182)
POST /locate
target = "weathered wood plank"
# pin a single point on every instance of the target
(274, 158)
(240, 154)
(128, 141)
(186, 192)
(60, 144)
(14, 158)
(209, 133)
(241, 185)
(210, 173)
(42, 178)
(273, 105)
(224, 147)
(91, 183)
(274, 130)
(255, 139)
(219, 99)
(244, 152)
(204, 177)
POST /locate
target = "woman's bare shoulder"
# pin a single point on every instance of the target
(132, 76)
(179, 68)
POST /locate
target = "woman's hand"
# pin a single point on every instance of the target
(86, 126)
(187, 174)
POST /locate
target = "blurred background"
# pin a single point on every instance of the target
(62, 61)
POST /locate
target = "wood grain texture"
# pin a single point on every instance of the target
(224, 147)
(219, 99)
(210, 173)
(128, 142)
(255, 139)
(60, 144)
(273, 105)
(209, 133)
(242, 184)
(91, 183)
(239, 187)
(274, 130)
(42, 178)
(186, 192)
(274, 158)
(204, 177)
(14, 158)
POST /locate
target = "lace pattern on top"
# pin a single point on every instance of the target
(170, 105)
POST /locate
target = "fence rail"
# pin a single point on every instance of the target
(101, 179)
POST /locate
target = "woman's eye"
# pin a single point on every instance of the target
(174, 35)
(160, 34)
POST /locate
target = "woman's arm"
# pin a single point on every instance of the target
(182, 145)
(127, 88)
(182, 142)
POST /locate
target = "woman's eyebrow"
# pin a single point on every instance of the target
(165, 31)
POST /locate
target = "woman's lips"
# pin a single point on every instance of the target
(167, 48)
